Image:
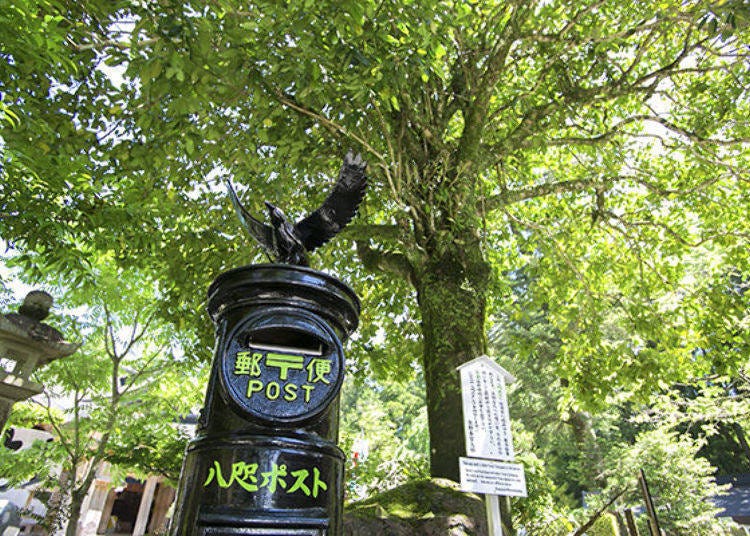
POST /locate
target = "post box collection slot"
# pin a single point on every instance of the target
(286, 340)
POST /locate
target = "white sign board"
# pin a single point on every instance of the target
(485, 405)
(492, 477)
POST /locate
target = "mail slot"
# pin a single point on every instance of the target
(265, 458)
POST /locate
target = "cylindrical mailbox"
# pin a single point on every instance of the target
(265, 460)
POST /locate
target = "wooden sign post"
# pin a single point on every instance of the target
(488, 438)
(653, 520)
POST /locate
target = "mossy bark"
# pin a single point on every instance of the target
(442, 255)
(452, 300)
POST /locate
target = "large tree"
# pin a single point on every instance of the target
(605, 141)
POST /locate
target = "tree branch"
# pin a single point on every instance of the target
(477, 98)
(693, 136)
(509, 197)
(674, 234)
(120, 45)
(574, 95)
(593, 140)
(290, 102)
(109, 335)
(54, 423)
(135, 335)
(376, 260)
(133, 378)
(586, 526)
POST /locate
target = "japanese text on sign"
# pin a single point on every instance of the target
(486, 417)
(277, 478)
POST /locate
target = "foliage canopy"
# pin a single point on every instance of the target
(602, 147)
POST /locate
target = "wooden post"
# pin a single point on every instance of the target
(144, 509)
(163, 500)
(653, 524)
(106, 512)
(620, 522)
(497, 524)
(494, 518)
(630, 520)
(93, 506)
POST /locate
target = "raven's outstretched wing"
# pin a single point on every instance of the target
(339, 207)
(261, 232)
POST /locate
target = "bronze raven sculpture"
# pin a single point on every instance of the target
(287, 243)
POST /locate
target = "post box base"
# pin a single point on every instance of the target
(260, 485)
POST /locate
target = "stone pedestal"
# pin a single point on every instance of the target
(265, 459)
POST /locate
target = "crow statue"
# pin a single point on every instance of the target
(289, 243)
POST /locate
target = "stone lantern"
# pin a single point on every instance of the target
(27, 343)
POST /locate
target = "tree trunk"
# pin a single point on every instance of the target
(56, 516)
(76, 501)
(452, 300)
(75, 514)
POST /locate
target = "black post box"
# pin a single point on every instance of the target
(265, 459)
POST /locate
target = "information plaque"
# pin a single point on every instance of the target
(492, 477)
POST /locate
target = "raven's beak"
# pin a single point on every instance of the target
(269, 206)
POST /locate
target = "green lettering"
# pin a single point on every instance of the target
(245, 475)
(274, 477)
(272, 391)
(285, 362)
(299, 484)
(291, 392)
(317, 482)
(247, 363)
(318, 369)
(308, 389)
(254, 386)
